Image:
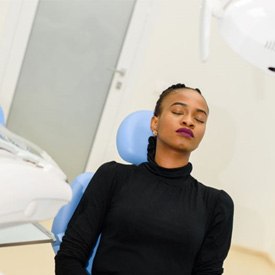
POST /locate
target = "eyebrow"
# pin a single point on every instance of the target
(186, 105)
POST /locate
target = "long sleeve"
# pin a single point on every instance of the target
(86, 223)
(216, 244)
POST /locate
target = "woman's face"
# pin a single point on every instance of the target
(182, 121)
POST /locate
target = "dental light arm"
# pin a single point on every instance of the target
(209, 8)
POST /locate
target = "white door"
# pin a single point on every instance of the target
(67, 71)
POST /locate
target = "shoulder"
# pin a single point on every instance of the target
(216, 198)
(222, 215)
(108, 165)
(113, 165)
(109, 175)
(221, 198)
(222, 205)
(114, 169)
(225, 199)
(215, 193)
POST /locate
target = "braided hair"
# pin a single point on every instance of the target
(166, 92)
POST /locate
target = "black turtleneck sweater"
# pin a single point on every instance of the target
(152, 220)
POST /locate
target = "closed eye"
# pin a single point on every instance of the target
(199, 120)
(177, 113)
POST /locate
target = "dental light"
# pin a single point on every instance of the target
(32, 186)
(248, 27)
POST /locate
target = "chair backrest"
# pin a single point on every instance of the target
(131, 140)
(64, 215)
(2, 117)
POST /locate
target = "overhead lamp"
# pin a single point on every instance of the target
(248, 27)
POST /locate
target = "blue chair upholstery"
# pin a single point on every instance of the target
(2, 117)
(131, 140)
(132, 137)
(63, 216)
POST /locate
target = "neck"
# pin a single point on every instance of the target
(172, 158)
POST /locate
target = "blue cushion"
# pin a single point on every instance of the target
(2, 117)
(132, 136)
(65, 213)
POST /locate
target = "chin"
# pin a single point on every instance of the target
(188, 150)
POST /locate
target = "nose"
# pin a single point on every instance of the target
(187, 121)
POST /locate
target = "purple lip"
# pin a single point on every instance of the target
(185, 132)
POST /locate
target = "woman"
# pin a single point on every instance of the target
(154, 218)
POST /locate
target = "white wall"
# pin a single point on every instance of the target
(237, 153)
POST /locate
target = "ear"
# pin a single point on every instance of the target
(154, 123)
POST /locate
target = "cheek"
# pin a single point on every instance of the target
(164, 125)
(201, 133)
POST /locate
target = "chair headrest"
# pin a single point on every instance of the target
(132, 136)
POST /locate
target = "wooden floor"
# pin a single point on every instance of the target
(38, 259)
(243, 262)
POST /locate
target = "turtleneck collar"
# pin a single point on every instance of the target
(180, 172)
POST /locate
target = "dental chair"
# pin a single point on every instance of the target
(131, 140)
(2, 117)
